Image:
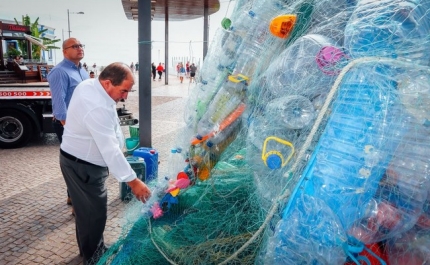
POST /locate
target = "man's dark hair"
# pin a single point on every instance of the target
(115, 72)
(91, 72)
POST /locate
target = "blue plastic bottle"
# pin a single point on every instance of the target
(390, 28)
(363, 131)
(361, 135)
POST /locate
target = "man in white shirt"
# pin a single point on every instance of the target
(91, 148)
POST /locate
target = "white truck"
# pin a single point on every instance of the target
(26, 112)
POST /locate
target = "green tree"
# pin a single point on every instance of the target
(35, 49)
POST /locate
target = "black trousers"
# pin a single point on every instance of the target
(86, 185)
(59, 130)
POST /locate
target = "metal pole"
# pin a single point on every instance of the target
(68, 21)
(166, 47)
(144, 28)
(205, 28)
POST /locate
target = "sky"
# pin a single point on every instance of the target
(107, 33)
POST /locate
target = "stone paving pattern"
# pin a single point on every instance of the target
(36, 225)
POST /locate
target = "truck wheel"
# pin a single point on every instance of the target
(15, 129)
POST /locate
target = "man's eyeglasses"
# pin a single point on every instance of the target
(76, 46)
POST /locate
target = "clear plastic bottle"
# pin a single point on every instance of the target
(390, 28)
(258, 45)
(298, 236)
(158, 190)
(225, 102)
(269, 182)
(293, 112)
(402, 195)
(262, 127)
(172, 166)
(201, 161)
(424, 219)
(221, 137)
(414, 91)
(180, 159)
(410, 248)
(298, 69)
(230, 43)
(379, 218)
(259, 129)
(329, 18)
(176, 162)
(222, 58)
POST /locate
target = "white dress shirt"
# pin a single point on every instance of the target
(92, 131)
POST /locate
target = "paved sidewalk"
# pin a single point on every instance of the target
(36, 225)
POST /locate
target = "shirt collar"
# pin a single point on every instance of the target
(102, 91)
(72, 64)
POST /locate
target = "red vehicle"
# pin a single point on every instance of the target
(26, 112)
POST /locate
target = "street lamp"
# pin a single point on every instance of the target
(68, 18)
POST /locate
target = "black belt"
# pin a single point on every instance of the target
(73, 158)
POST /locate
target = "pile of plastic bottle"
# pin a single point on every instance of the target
(321, 108)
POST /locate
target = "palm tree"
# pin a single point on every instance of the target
(35, 50)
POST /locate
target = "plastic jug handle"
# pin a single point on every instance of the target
(265, 155)
(238, 78)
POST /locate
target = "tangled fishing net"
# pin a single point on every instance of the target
(306, 142)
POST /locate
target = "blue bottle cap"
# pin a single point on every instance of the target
(273, 161)
(178, 150)
(173, 150)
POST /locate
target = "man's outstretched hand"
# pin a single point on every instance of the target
(140, 190)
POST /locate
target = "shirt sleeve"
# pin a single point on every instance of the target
(101, 124)
(58, 83)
